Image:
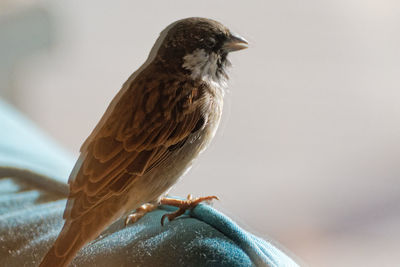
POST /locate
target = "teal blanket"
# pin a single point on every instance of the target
(33, 171)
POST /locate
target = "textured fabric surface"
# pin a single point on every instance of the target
(33, 171)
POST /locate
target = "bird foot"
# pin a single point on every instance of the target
(183, 205)
(139, 213)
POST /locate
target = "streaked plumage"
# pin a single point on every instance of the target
(163, 117)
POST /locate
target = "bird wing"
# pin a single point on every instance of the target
(151, 119)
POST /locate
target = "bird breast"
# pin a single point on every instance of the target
(157, 182)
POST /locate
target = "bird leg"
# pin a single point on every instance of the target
(183, 205)
(139, 213)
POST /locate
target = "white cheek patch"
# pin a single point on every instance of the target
(195, 62)
(203, 66)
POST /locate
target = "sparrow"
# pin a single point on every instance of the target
(164, 116)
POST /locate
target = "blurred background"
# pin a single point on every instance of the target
(308, 151)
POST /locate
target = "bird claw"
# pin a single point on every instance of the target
(183, 205)
(139, 213)
(132, 218)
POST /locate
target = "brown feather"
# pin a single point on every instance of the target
(134, 146)
(152, 121)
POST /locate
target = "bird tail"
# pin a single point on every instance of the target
(76, 233)
(67, 244)
(64, 249)
(51, 259)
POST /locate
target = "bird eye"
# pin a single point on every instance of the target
(209, 42)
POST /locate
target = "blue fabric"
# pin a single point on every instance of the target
(32, 199)
(24, 146)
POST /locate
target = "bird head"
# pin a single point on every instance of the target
(199, 47)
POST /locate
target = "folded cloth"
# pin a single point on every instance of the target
(33, 189)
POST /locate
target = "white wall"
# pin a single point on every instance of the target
(308, 153)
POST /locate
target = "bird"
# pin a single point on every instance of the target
(164, 116)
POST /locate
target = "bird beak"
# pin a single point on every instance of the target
(235, 43)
